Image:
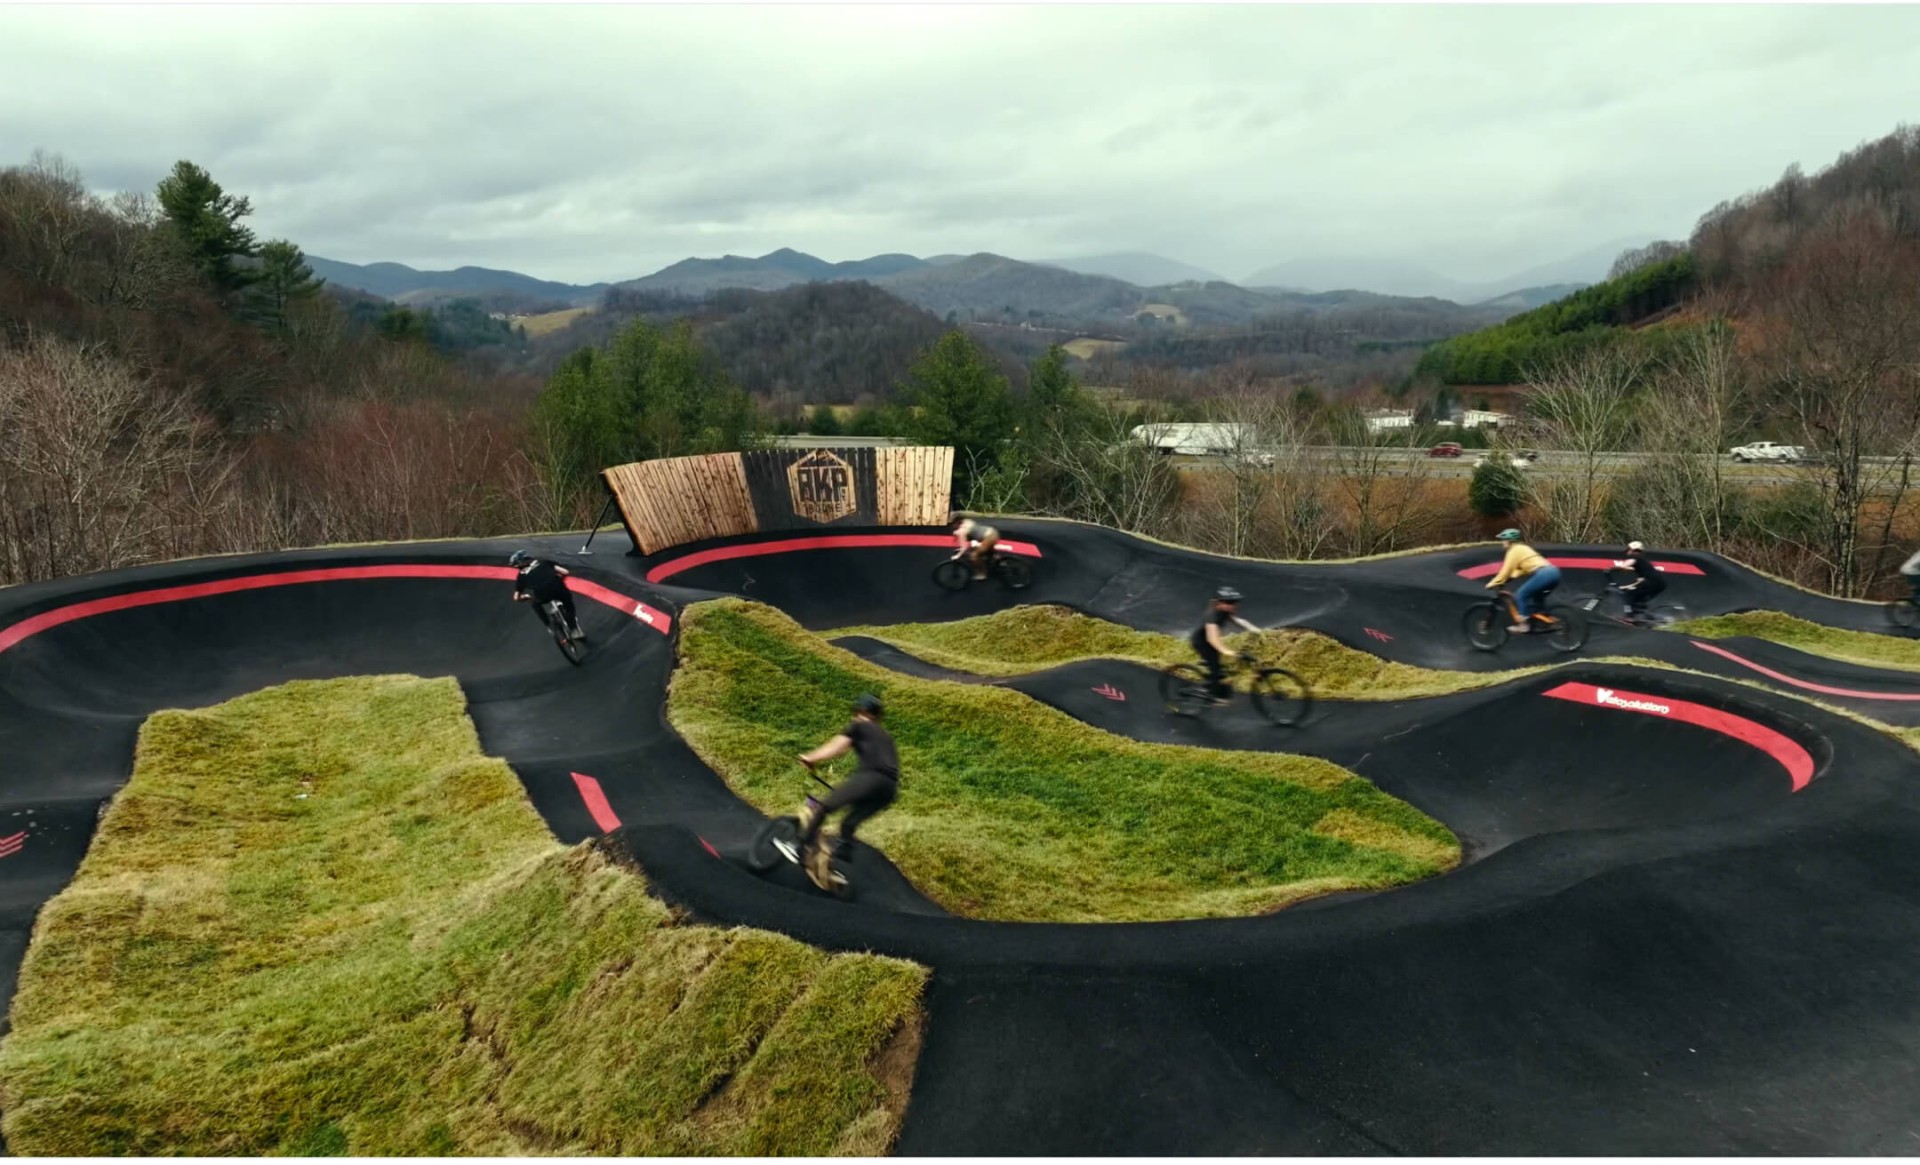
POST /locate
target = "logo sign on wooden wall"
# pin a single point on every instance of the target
(797, 489)
(822, 487)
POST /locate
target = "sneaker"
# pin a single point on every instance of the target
(1521, 628)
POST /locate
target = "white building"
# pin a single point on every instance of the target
(1384, 420)
(1483, 419)
(1195, 440)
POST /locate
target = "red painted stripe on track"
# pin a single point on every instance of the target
(674, 566)
(1795, 759)
(1807, 685)
(590, 792)
(35, 624)
(1487, 569)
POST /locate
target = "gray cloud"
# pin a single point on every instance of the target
(588, 143)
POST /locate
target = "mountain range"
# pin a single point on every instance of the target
(982, 286)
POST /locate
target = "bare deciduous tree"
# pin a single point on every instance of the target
(1582, 404)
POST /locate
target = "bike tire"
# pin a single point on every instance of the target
(1569, 627)
(1281, 696)
(1485, 626)
(574, 649)
(1903, 613)
(953, 575)
(1183, 688)
(762, 855)
(1015, 573)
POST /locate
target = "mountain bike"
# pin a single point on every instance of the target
(1612, 603)
(1487, 623)
(956, 573)
(780, 839)
(571, 640)
(1277, 694)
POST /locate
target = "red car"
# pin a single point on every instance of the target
(1445, 449)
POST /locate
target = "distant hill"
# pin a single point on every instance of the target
(769, 272)
(404, 284)
(1137, 268)
(1528, 298)
(1399, 277)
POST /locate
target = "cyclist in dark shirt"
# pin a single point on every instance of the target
(977, 540)
(540, 581)
(872, 787)
(1647, 581)
(1206, 639)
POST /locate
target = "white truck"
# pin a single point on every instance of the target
(1768, 451)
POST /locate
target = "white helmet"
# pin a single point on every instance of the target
(1636, 546)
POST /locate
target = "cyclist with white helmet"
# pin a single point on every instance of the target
(1524, 562)
(1206, 639)
(872, 787)
(540, 581)
(1647, 580)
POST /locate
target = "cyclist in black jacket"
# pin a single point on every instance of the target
(1206, 640)
(540, 581)
(1647, 581)
(872, 787)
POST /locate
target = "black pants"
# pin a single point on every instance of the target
(862, 795)
(1639, 594)
(565, 599)
(1216, 667)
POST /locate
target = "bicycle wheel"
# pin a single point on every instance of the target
(1486, 626)
(1014, 572)
(953, 575)
(1183, 688)
(1903, 613)
(1281, 696)
(574, 649)
(765, 852)
(1569, 627)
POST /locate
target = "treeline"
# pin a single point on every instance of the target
(170, 385)
(1500, 354)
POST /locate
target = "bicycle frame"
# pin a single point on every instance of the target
(1512, 604)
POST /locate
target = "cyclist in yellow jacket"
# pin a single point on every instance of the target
(1524, 562)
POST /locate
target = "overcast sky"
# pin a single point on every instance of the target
(601, 143)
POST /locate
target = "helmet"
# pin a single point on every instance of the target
(1508, 535)
(519, 558)
(1227, 595)
(955, 519)
(1636, 546)
(870, 704)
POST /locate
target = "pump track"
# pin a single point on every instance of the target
(1687, 921)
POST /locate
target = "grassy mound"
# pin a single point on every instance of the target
(318, 920)
(1863, 647)
(1028, 639)
(1011, 810)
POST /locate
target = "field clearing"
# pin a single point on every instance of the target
(1086, 347)
(1166, 309)
(550, 322)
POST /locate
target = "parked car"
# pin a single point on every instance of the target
(1445, 449)
(1767, 451)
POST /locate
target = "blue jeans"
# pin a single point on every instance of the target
(1533, 593)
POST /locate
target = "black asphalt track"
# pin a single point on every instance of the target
(1668, 940)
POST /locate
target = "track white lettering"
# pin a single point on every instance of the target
(1613, 699)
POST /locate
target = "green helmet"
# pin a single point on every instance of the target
(1508, 535)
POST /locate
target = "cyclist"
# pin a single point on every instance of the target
(1646, 584)
(540, 581)
(872, 787)
(976, 540)
(1206, 639)
(1524, 562)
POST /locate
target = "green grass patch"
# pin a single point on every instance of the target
(319, 921)
(1020, 640)
(1009, 809)
(1863, 647)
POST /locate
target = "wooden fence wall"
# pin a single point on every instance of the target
(684, 499)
